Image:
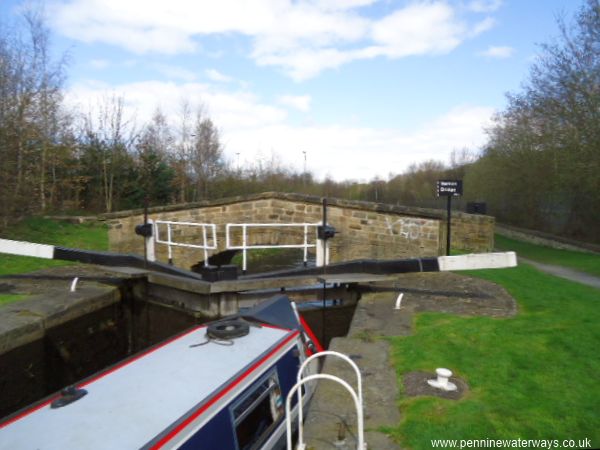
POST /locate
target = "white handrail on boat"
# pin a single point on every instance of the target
(205, 246)
(321, 376)
(245, 229)
(318, 355)
(295, 309)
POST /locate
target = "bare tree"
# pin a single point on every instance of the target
(108, 139)
(183, 150)
(33, 125)
(540, 167)
(153, 148)
(207, 154)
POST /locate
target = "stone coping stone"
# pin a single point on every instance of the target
(294, 197)
(27, 320)
(49, 304)
(74, 219)
(547, 239)
(244, 284)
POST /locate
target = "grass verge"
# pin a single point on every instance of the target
(585, 262)
(530, 377)
(5, 299)
(89, 236)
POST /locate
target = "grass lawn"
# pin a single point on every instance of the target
(585, 262)
(5, 299)
(89, 236)
(533, 376)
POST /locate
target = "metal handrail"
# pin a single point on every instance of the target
(311, 358)
(170, 243)
(288, 401)
(245, 247)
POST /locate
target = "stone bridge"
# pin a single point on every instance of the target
(366, 230)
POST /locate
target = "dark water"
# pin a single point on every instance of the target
(329, 322)
(332, 322)
(275, 259)
(78, 349)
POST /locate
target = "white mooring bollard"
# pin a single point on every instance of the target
(399, 300)
(442, 380)
(74, 284)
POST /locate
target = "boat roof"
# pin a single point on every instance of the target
(275, 311)
(129, 405)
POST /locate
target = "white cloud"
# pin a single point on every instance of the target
(342, 4)
(306, 63)
(482, 26)
(500, 52)
(362, 153)
(99, 64)
(251, 127)
(300, 37)
(230, 110)
(215, 75)
(419, 28)
(299, 102)
(162, 40)
(483, 6)
(175, 72)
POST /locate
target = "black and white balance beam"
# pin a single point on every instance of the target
(397, 266)
(474, 261)
(372, 266)
(101, 258)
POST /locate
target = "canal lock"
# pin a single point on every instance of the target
(144, 315)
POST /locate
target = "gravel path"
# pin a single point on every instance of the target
(564, 272)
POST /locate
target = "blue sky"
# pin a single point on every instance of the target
(365, 87)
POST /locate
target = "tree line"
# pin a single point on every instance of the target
(58, 159)
(539, 169)
(541, 166)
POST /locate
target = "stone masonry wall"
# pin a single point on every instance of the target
(366, 230)
(470, 232)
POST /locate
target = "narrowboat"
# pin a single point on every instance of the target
(218, 386)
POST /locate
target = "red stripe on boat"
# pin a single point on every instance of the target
(221, 394)
(311, 335)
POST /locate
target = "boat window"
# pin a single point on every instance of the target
(255, 415)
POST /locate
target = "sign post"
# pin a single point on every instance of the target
(449, 189)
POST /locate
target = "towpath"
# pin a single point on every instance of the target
(565, 272)
(331, 420)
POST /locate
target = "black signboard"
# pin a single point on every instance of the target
(449, 189)
(446, 188)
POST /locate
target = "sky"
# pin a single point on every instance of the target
(354, 89)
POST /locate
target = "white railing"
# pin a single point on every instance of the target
(247, 226)
(205, 245)
(358, 398)
(301, 445)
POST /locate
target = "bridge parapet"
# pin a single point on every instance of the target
(367, 230)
